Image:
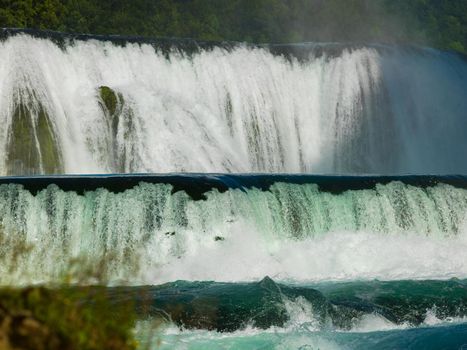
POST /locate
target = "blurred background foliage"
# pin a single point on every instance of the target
(437, 23)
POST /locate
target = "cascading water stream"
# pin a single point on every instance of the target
(97, 107)
(342, 254)
(148, 234)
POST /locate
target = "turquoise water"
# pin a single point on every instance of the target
(439, 337)
(361, 315)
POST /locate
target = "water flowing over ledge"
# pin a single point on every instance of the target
(196, 185)
(103, 106)
(151, 229)
(90, 104)
(189, 46)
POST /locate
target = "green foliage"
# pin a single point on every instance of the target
(64, 316)
(440, 23)
(68, 318)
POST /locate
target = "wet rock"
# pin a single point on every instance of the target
(111, 100)
(226, 307)
(120, 119)
(32, 144)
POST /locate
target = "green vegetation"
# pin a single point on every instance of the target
(48, 319)
(65, 316)
(439, 23)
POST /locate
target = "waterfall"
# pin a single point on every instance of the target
(92, 106)
(150, 233)
(223, 218)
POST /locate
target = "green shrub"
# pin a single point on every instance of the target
(38, 318)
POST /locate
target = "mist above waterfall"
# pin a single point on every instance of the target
(95, 107)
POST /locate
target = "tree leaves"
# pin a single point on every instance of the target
(439, 23)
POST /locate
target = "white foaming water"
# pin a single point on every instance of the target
(293, 232)
(384, 110)
(293, 336)
(432, 320)
(375, 323)
(339, 256)
(301, 315)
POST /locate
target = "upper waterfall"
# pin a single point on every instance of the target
(94, 106)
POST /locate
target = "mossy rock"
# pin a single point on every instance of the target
(32, 146)
(110, 99)
(112, 103)
(113, 106)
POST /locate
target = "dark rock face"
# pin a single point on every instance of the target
(227, 307)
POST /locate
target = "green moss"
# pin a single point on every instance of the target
(22, 152)
(50, 157)
(113, 105)
(68, 318)
(32, 147)
(109, 98)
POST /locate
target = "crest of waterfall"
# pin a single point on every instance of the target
(96, 107)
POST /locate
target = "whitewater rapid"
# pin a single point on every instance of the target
(337, 109)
